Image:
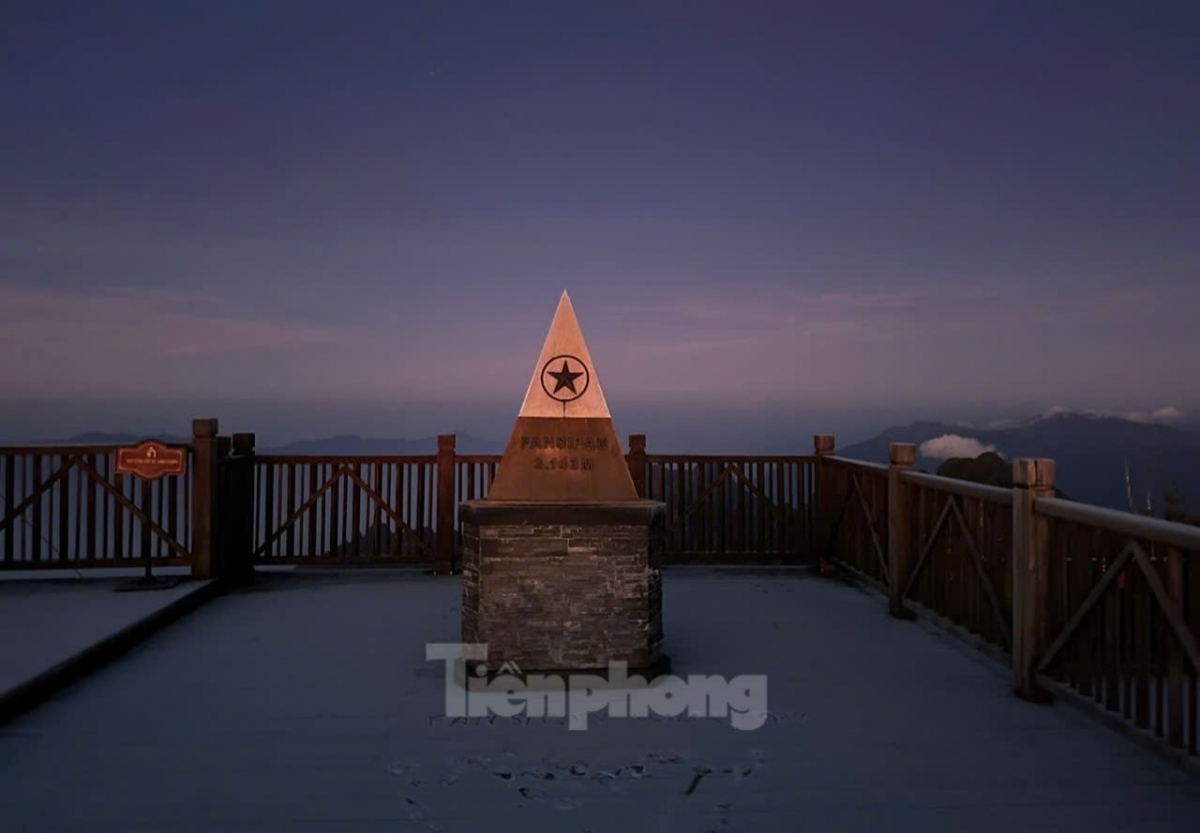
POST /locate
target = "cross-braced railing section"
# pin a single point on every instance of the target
(1122, 625)
(338, 509)
(732, 509)
(1088, 603)
(854, 512)
(959, 548)
(64, 506)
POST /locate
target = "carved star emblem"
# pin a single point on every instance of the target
(569, 381)
(564, 378)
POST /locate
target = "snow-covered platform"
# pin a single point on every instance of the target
(51, 623)
(306, 703)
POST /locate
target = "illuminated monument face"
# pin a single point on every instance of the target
(561, 562)
(563, 447)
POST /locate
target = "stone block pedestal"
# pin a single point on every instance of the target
(564, 586)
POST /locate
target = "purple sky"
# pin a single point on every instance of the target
(907, 210)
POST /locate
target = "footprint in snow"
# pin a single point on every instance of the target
(723, 813)
(415, 809)
(745, 771)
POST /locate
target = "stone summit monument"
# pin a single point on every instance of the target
(561, 562)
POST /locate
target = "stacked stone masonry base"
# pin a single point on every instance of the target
(564, 586)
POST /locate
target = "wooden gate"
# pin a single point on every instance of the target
(65, 507)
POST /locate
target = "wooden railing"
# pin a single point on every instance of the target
(1122, 616)
(853, 500)
(62, 506)
(961, 536)
(1097, 605)
(328, 509)
(315, 509)
(66, 506)
(732, 509)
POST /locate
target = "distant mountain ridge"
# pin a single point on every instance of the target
(339, 444)
(354, 444)
(108, 438)
(1090, 453)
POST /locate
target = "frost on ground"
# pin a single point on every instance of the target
(309, 705)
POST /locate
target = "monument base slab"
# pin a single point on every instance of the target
(564, 586)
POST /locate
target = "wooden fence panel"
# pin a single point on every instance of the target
(854, 508)
(360, 509)
(1123, 614)
(65, 507)
(963, 548)
(344, 509)
(743, 509)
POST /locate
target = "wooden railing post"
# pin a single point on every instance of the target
(447, 533)
(1032, 479)
(823, 446)
(637, 463)
(204, 494)
(902, 457)
(1176, 663)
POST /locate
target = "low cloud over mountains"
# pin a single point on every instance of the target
(1091, 450)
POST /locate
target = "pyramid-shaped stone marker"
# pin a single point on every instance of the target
(563, 446)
